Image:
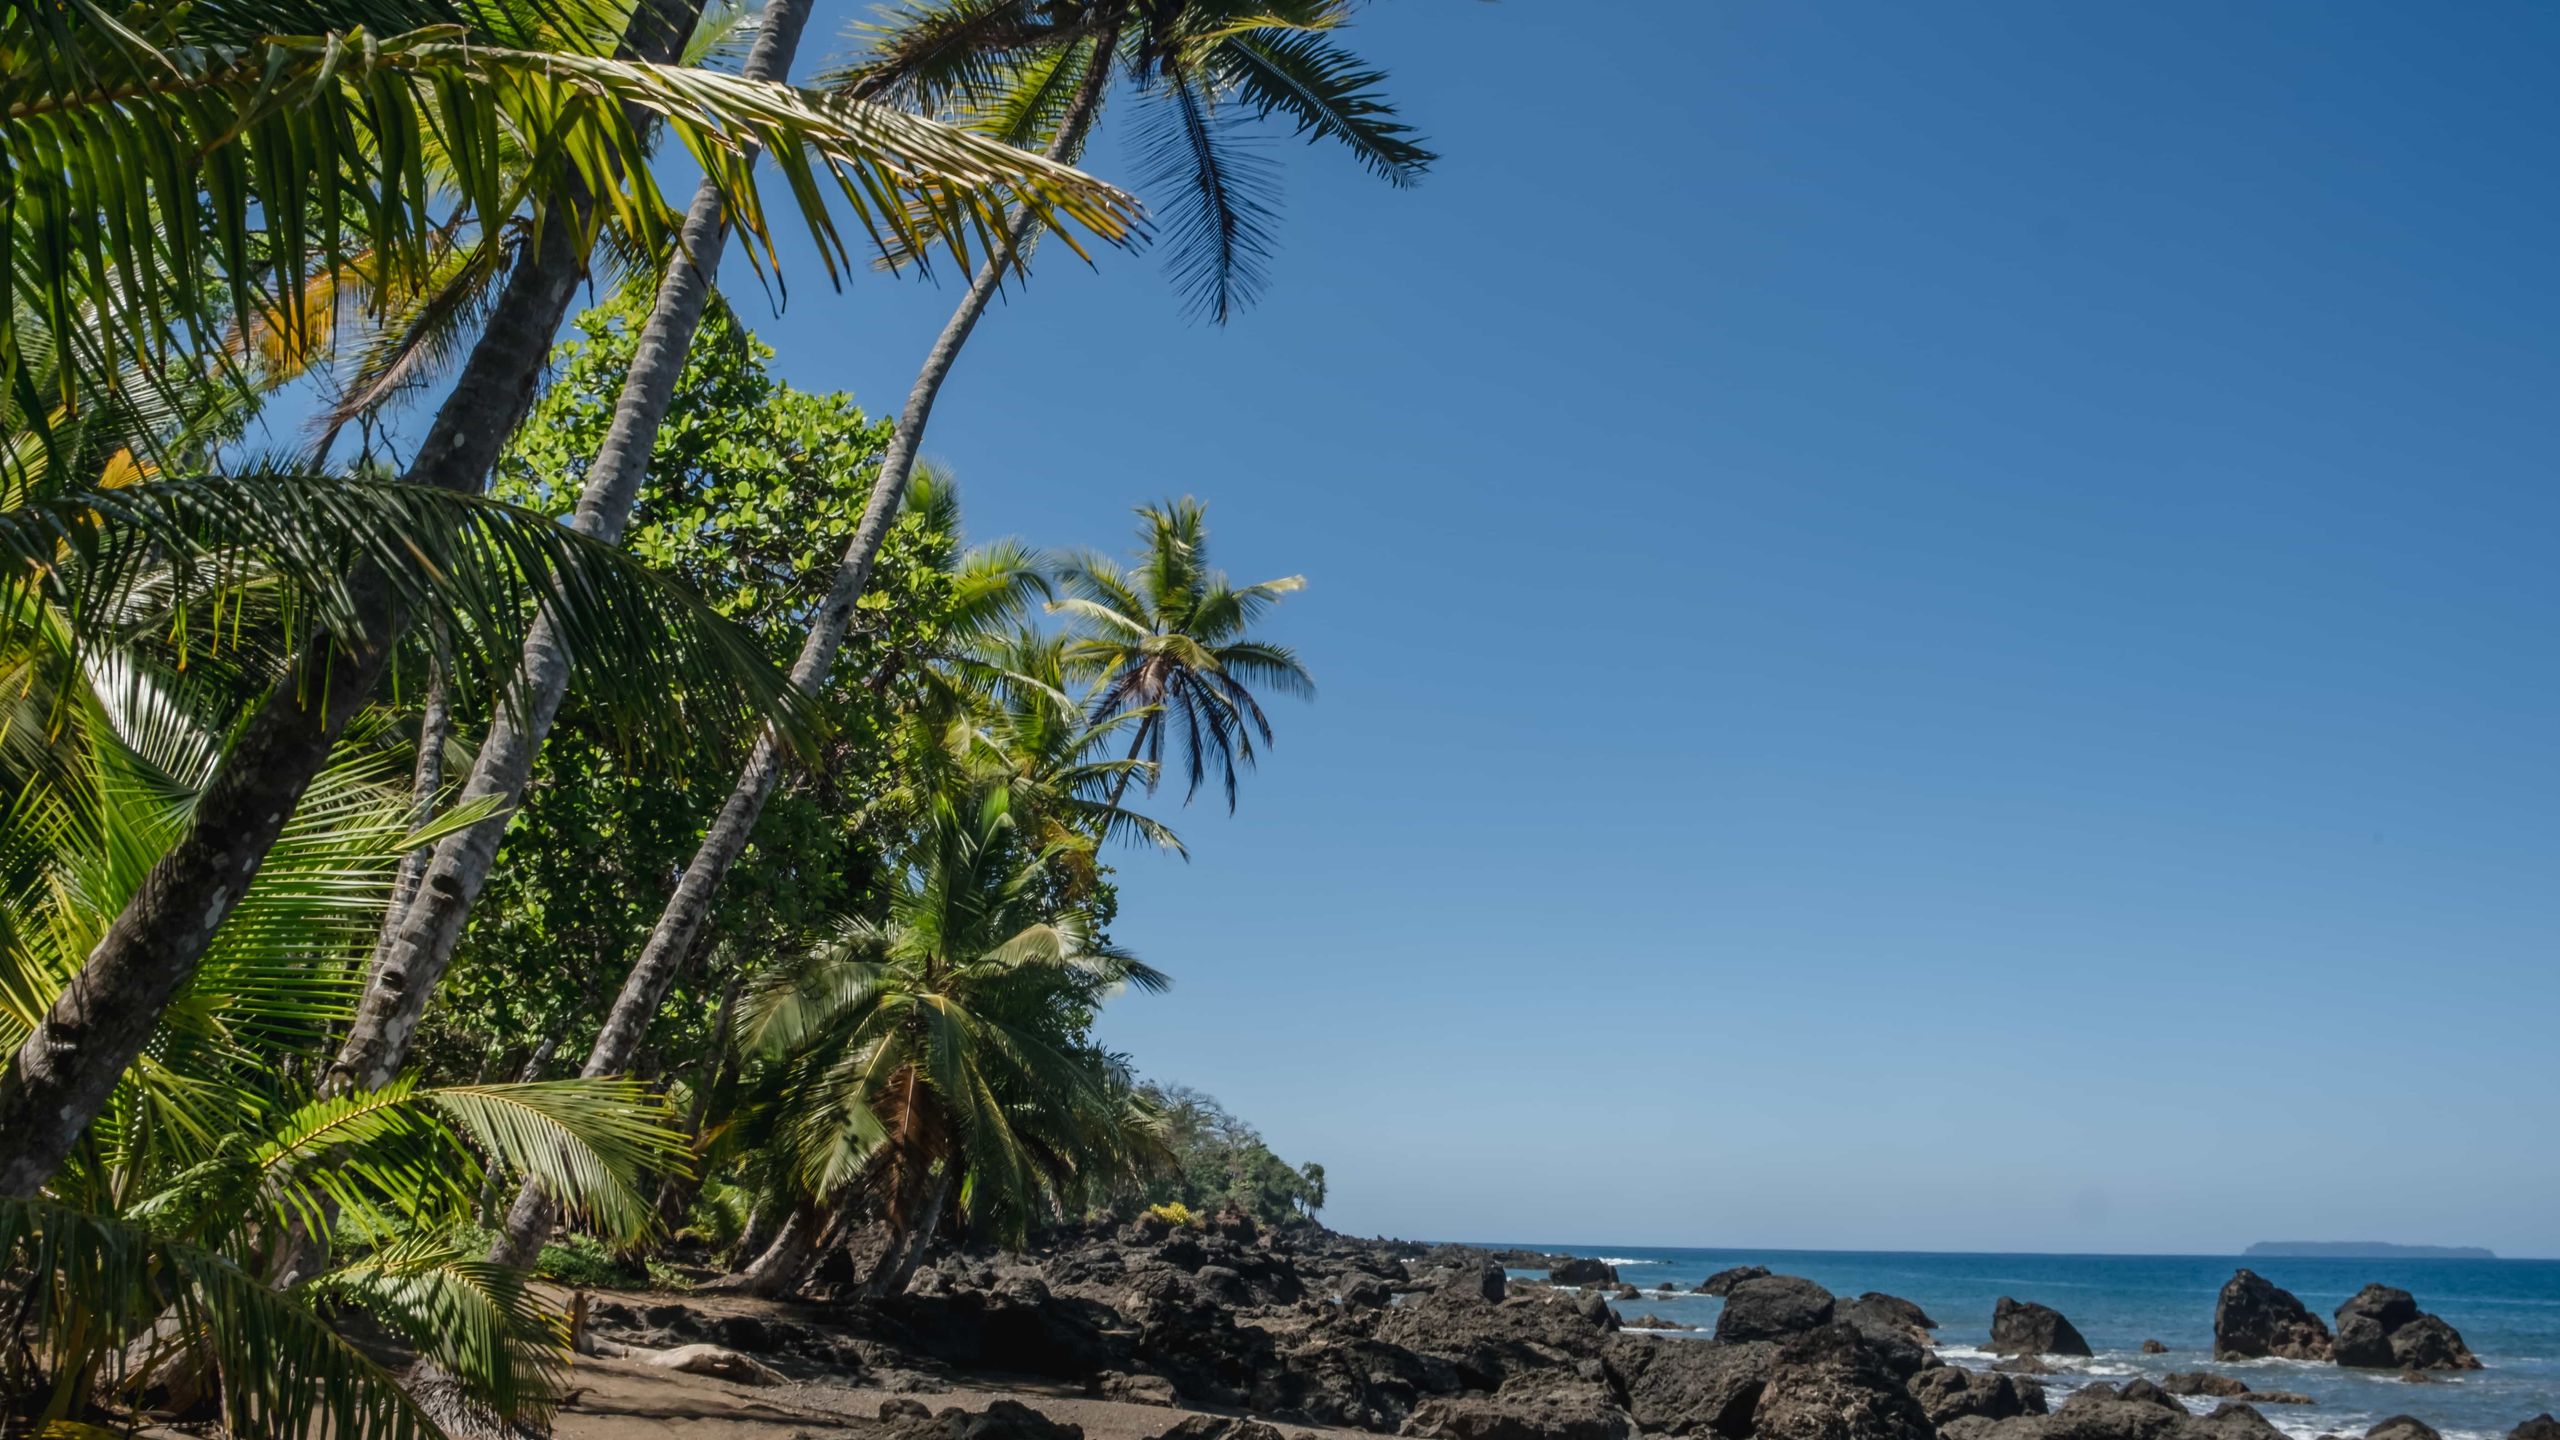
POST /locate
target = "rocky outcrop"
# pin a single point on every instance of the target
(2023, 1327)
(2403, 1427)
(1581, 1270)
(2154, 1347)
(1689, 1387)
(2254, 1319)
(1773, 1307)
(1892, 1308)
(1220, 1427)
(1829, 1385)
(1948, 1393)
(2382, 1328)
(1488, 1344)
(1723, 1281)
(2540, 1427)
(2203, 1382)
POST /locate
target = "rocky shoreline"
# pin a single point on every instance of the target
(1303, 1327)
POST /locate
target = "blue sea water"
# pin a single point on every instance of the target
(2508, 1310)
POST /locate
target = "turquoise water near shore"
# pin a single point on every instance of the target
(2509, 1311)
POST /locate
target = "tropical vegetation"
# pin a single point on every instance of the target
(576, 787)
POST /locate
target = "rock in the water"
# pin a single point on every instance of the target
(1651, 1321)
(1723, 1281)
(2154, 1347)
(2540, 1427)
(2278, 1397)
(1596, 1309)
(1773, 1307)
(1828, 1385)
(2022, 1365)
(1894, 1308)
(2403, 1427)
(2203, 1382)
(2254, 1318)
(1947, 1393)
(2027, 1328)
(1582, 1270)
(2382, 1328)
(1496, 1417)
(719, 1363)
(1690, 1387)
(2144, 1392)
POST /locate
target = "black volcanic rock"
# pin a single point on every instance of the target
(2382, 1328)
(2253, 1318)
(2026, 1328)
(1949, 1392)
(1829, 1385)
(2540, 1427)
(2203, 1382)
(1690, 1387)
(1723, 1281)
(1773, 1307)
(1582, 1271)
(2403, 1427)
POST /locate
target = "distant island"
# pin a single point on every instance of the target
(2364, 1250)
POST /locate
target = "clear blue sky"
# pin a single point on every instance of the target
(1936, 623)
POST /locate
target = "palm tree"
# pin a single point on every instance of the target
(309, 141)
(1036, 72)
(1171, 641)
(940, 1056)
(152, 1258)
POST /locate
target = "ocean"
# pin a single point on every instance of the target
(2508, 1311)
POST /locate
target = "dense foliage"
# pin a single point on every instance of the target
(1220, 1163)
(254, 1135)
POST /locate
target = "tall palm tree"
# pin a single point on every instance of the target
(421, 938)
(1037, 72)
(250, 128)
(1171, 641)
(940, 1055)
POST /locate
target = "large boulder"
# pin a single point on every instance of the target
(1001, 1420)
(2403, 1427)
(1948, 1392)
(1828, 1385)
(1489, 1343)
(1895, 1328)
(1723, 1281)
(2540, 1427)
(2023, 1327)
(2254, 1319)
(1690, 1387)
(2382, 1328)
(1773, 1307)
(1581, 1270)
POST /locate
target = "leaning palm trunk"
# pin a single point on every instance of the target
(689, 908)
(906, 1250)
(426, 929)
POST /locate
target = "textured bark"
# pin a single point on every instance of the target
(406, 973)
(60, 1078)
(899, 1261)
(792, 1255)
(435, 727)
(680, 923)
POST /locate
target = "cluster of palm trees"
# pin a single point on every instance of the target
(225, 906)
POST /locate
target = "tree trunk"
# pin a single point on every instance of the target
(406, 974)
(791, 1256)
(898, 1263)
(61, 1077)
(435, 726)
(680, 923)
